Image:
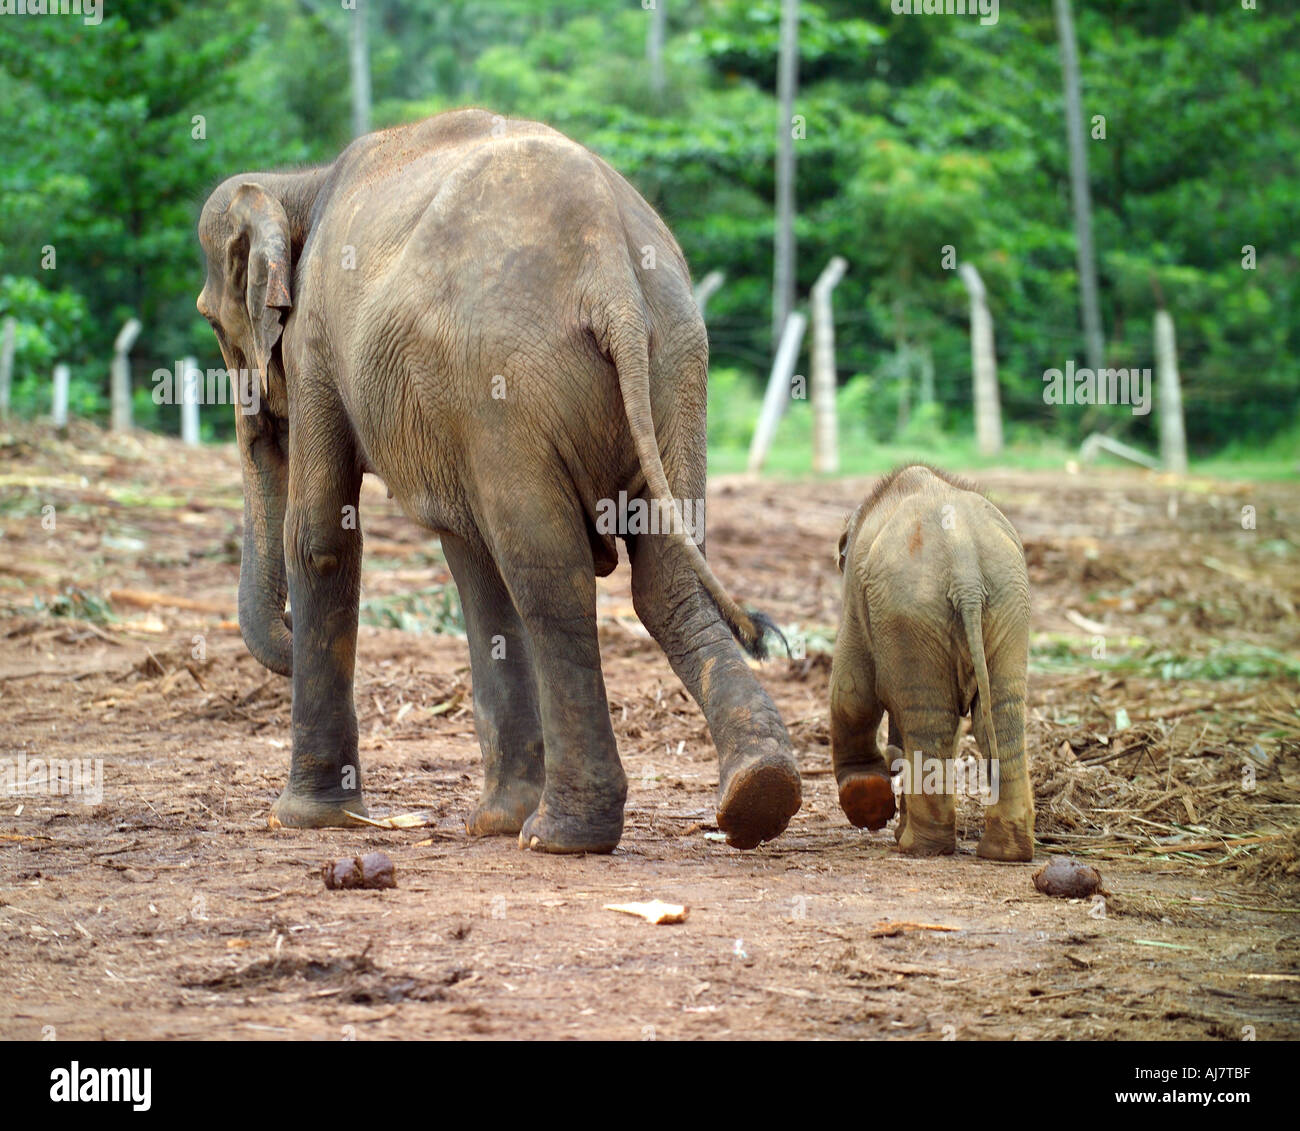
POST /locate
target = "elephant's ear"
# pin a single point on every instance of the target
(841, 548)
(258, 258)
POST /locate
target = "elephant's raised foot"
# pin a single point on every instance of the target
(759, 800)
(1005, 840)
(294, 811)
(867, 800)
(546, 831)
(504, 811)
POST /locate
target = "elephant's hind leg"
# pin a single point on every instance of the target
(758, 783)
(1009, 820)
(925, 724)
(541, 548)
(506, 715)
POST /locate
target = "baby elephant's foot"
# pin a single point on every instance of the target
(867, 800)
(503, 810)
(296, 811)
(917, 840)
(759, 798)
(1006, 840)
(549, 830)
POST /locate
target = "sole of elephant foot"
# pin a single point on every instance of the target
(1005, 842)
(292, 811)
(550, 832)
(759, 802)
(868, 801)
(501, 815)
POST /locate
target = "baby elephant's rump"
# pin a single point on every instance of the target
(935, 625)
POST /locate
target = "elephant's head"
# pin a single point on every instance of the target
(245, 234)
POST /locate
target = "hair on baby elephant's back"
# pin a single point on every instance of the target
(897, 479)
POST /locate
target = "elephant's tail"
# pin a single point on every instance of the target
(970, 607)
(628, 345)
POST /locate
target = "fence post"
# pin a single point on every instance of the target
(1173, 437)
(984, 367)
(778, 389)
(121, 375)
(707, 287)
(925, 360)
(826, 456)
(6, 367)
(59, 403)
(191, 375)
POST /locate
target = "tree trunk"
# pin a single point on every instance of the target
(359, 62)
(1094, 337)
(654, 46)
(787, 79)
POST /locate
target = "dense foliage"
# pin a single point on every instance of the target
(919, 132)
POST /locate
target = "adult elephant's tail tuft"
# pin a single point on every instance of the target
(628, 345)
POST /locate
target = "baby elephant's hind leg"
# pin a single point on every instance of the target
(1009, 820)
(861, 771)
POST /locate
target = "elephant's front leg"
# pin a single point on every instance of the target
(322, 546)
(506, 715)
(759, 789)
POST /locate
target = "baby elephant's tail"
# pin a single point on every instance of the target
(970, 607)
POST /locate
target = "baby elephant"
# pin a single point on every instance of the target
(935, 625)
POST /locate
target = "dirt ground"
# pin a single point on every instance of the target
(1165, 730)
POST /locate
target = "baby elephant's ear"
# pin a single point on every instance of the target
(261, 237)
(844, 543)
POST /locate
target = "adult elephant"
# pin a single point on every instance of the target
(487, 316)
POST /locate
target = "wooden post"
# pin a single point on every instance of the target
(191, 376)
(6, 366)
(984, 366)
(925, 360)
(121, 375)
(787, 76)
(707, 287)
(1173, 437)
(778, 389)
(1100, 442)
(826, 456)
(59, 403)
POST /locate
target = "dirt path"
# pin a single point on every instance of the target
(171, 910)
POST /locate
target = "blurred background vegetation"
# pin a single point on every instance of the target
(920, 132)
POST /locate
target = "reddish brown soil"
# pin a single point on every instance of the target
(170, 910)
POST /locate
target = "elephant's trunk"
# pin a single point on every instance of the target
(263, 582)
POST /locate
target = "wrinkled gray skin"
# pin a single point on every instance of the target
(499, 356)
(935, 625)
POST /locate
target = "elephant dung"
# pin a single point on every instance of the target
(374, 870)
(1067, 878)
